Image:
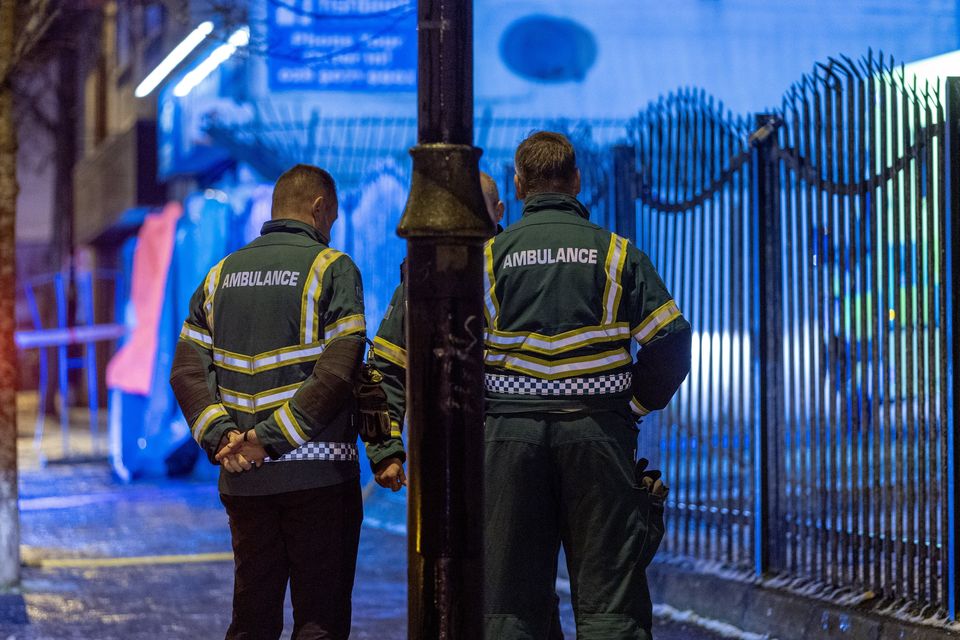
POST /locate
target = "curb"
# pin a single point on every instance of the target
(775, 612)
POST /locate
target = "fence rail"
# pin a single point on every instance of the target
(694, 223)
(812, 440)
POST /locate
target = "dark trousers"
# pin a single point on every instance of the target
(308, 537)
(567, 479)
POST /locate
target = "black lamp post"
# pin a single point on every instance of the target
(445, 223)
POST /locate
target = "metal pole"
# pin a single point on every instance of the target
(625, 189)
(767, 324)
(9, 514)
(445, 224)
(950, 249)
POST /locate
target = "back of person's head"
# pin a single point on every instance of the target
(491, 196)
(296, 193)
(546, 162)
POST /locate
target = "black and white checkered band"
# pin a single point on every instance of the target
(336, 451)
(529, 386)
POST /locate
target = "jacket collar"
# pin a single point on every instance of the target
(286, 225)
(554, 202)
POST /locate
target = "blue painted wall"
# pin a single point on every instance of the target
(607, 58)
(745, 52)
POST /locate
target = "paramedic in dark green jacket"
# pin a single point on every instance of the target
(389, 354)
(264, 373)
(564, 301)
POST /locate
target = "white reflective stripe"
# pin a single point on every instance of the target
(562, 342)
(197, 335)
(657, 320)
(269, 359)
(252, 404)
(309, 322)
(615, 258)
(560, 368)
(344, 326)
(311, 303)
(205, 419)
(638, 408)
(288, 424)
(489, 282)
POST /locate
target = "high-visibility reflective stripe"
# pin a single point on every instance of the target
(553, 369)
(552, 345)
(491, 307)
(390, 352)
(611, 383)
(269, 399)
(288, 424)
(616, 256)
(661, 317)
(312, 288)
(267, 360)
(345, 326)
(210, 289)
(333, 451)
(637, 408)
(205, 419)
(196, 334)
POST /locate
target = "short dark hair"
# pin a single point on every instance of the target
(546, 161)
(298, 188)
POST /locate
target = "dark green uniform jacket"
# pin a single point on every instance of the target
(579, 296)
(389, 355)
(260, 320)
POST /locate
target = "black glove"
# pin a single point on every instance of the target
(649, 479)
(372, 416)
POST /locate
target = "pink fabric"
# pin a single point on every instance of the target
(131, 368)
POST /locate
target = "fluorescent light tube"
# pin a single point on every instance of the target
(239, 38)
(175, 57)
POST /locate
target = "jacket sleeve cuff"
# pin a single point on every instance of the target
(638, 410)
(272, 439)
(213, 437)
(392, 448)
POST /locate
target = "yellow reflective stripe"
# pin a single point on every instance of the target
(553, 369)
(289, 425)
(637, 408)
(269, 399)
(613, 266)
(491, 307)
(268, 359)
(395, 429)
(345, 326)
(552, 345)
(661, 317)
(205, 419)
(210, 285)
(195, 334)
(390, 352)
(312, 288)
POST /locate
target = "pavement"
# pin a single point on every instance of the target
(151, 560)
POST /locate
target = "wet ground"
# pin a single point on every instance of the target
(107, 561)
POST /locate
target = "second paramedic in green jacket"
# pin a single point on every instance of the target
(390, 357)
(565, 299)
(389, 353)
